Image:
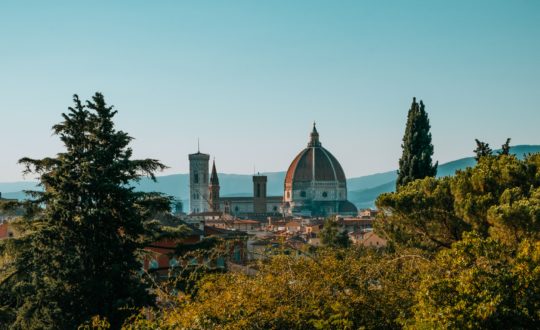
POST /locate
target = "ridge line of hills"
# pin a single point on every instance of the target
(362, 190)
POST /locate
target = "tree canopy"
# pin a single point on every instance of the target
(332, 235)
(416, 160)
(76, 256)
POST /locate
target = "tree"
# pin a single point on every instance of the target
(479, 284)
(482, 150)
(416, 162)
(77, 257)
(499, 197)
(332, 236)
(421, 215)
(355, 288)
(505, 148)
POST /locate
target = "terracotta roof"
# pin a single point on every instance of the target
(314, 163)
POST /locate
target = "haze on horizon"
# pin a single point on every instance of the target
(249, 77)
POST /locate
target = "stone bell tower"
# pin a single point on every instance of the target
(198, 182)
(259, 193)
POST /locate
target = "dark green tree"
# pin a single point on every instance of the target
(77, 257)
(482, 150)
(416, 161)
(332, 236)
(505, 148)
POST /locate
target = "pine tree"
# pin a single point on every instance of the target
(482, 150)
(505, 148)
(77, 257)
(416, 161)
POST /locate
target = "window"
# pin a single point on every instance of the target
(258, 190)
(288, 194)
(237, 256)
(236, 209)
(196, 178)
(324, 194)
(302, 194)
(275, 209)
(220, 262)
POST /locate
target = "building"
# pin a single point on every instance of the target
(315, 183)
(367, 239)
(198, 182)
(205, 194)
(315, 186)
(166, 255)
(6, 216)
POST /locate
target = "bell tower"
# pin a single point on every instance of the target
(259, 193)
(198, 182)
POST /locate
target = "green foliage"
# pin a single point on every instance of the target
(349, 289)
(498, 197)
(332, 236)
(505, 148)
(488, 275)
(421, 215)
(415, 162)
(76, 258)
(479, 284)
(482, 150)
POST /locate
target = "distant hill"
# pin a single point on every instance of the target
(362, 190)
(365, 197)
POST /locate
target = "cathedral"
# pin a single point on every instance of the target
(205, 197)
(315, 186)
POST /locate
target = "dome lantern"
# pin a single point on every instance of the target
(314, 142)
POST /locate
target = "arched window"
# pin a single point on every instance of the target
(324, 194)
(302, 194)
(196, 178)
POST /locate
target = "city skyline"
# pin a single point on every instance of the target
(248, 78)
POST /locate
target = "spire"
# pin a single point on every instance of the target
(314, 142)
(214, 181)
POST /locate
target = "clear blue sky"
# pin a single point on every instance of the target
(250, 77)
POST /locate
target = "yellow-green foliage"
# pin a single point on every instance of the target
(481, 284)
(348, 289)
(499, 197)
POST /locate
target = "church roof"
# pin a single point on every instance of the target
(314, 163)
(214, 180)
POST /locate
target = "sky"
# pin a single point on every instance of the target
(248, 78)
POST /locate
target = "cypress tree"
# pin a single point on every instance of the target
(416, 162)
(77, 257)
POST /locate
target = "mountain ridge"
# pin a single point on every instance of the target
(362, 190)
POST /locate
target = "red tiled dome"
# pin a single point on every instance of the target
(314, 163)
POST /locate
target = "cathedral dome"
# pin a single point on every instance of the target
(314, 163)
(315, 184)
